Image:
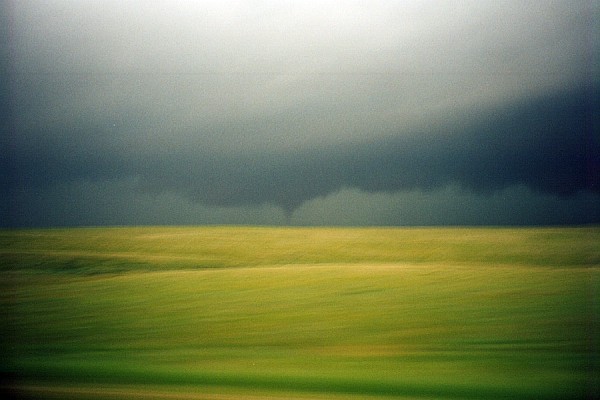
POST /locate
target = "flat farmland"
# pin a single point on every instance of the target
(227, 312)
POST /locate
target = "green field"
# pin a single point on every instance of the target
(274, 313)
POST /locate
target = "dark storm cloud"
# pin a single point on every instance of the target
(549, 144)
(243, 104)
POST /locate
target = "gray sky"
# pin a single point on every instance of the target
(307, 112)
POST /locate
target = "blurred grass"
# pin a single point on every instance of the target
(407, 313)
(101, 250)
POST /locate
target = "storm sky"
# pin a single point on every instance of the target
(300, 112)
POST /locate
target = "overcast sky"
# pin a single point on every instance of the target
(304, 112)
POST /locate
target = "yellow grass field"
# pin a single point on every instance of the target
(306, 313)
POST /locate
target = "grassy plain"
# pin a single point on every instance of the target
(266, 313)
